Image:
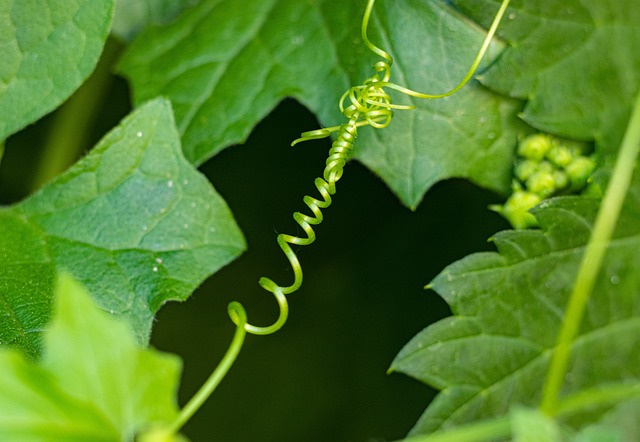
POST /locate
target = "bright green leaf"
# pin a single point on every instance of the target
(575, 61)
(34, 408)
(133, 221)
(508, 309)
(96, 360)
(48, 48)
(93, 384)
(226, 64)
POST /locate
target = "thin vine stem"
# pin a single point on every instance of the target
(237, 312)
(472, 70)
(605, 223)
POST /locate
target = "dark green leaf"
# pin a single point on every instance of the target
(508, 309)
(49, 47)
(575, 61)
(133, 221)
(226, 64)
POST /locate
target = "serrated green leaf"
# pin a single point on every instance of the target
(49, 47)
(225, 65)
(93, 384)
(96, 360)
(559, 50)
(132, 16)
(133, 221)
(508, 309)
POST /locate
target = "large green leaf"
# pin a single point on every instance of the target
(48, 48)
(575, 61)
(93, 383)
(226, 64)
(133, 221)
(508, 309)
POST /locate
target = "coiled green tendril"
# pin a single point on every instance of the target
(367, 104)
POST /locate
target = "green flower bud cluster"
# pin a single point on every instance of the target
(545, 166)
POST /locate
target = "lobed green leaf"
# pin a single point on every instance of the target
(48, 48)
(226, 64)
(508, 310)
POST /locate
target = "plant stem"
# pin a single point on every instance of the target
(72, 123)
(598, 396)
(218, 374)
(476, 432)
(605, 223)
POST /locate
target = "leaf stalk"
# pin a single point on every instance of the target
(603, 229)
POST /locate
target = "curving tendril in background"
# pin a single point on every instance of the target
(367, 104)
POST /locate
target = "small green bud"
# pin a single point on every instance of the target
(579, 171)
(542, 184)
(516, 209)
(525, 168)
(534, 147)
(560, 155)
(546, 166)
(561, 179)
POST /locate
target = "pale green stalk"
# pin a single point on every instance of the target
(479, 431)
(240, 317)
(589, 268)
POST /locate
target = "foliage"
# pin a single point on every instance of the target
(93, 381)
(134, 224)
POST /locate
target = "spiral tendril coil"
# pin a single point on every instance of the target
(367, 104)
